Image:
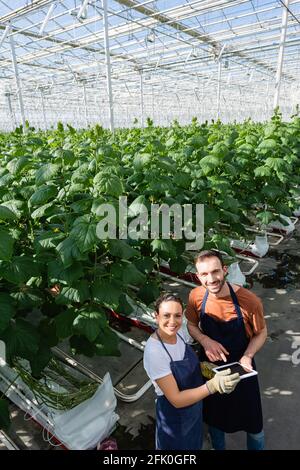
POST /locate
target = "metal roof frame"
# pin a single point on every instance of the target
(164, 59)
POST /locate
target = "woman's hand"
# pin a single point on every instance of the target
(223, 382)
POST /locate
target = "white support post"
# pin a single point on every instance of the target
(85, 107)
(18, 83)
(47, 17)
(83, 10)
(43, 110)
(108, 67)
(152, 93)
(219, 88)
(219, 60)
(78, 117)
(142, 98)
(281, 52)
(11, 113)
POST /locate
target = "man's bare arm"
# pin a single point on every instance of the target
(195, 332)
(214, 350)
(255, 344)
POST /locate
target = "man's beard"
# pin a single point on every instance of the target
(220, 286)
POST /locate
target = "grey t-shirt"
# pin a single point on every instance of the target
(157, 361)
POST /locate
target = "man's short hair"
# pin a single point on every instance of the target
(209, 254)
(167, 297)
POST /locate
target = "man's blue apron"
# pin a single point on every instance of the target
(240, 410)
(180, 428)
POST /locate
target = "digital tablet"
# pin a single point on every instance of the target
(243, 371)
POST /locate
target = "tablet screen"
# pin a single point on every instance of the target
(236, 367)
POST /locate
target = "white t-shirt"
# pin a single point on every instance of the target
(157, 361)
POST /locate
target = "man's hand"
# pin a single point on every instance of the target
(246, 361)
(214, 350)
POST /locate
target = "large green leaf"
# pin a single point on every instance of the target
(149, 292)
(6, 180)
(77, 294)
(82, 206)
(228, 216)
(138, 206)
(6, 245)
(209, 163)
(178, 265)
(46, 173)
(68, 251)
(77, 189)
(263, 171)
(121, 249)
(166, 164)
(107, 343)
(79, 170)
(220, 150)
(110, 185)
(4, 414)
(267, 146)
(106, 293)
(21, 339)
(81, 345)
(66, 155)
(6, 213)
(40, 360)
(272, 192)
(89, 322)
(265, 216)
(84, 233)
(221, 185)
(58, 273)
(126, 305)
(246, 149)
(15, 206)
(64, 323)
(144, 264)
(44, 210)
(131, 275)
(7, 310)
(43, 195)
(19, 269)
(141, 161)
(283, 209)
(211, 216)
(170, 142)
(48, 332)
(164, 248)
(28, 298)
(276, 163)
(16, 165)
(283, 176)
(183, 180)
(270, 129)
(229, 203)
(48, 239)
(197, 141)
(27, 191)
(219, 242)
(295, 192)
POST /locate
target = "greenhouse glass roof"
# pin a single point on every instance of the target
(168, 59)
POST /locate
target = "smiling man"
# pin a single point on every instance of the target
(228, 321)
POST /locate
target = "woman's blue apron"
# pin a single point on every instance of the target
(240, 410)
(180, 428)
